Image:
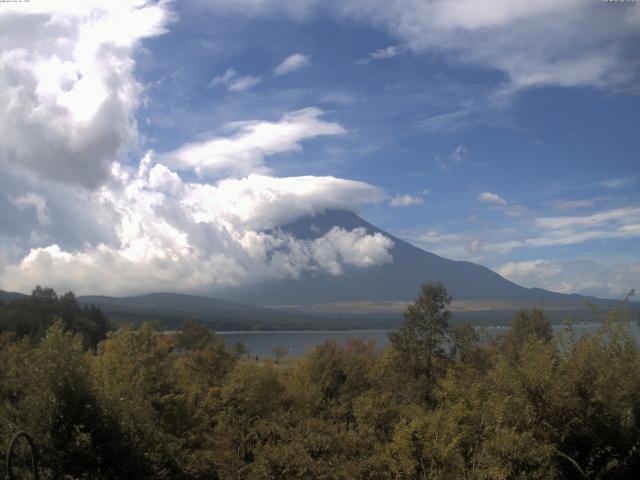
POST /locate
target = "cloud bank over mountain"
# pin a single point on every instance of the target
(69, 90)
(140, 151)
(190, 236)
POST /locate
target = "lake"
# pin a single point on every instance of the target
(297, 343)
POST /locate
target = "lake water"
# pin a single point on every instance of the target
(297, 343)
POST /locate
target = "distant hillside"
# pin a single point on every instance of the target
(172, 309)
(168, 302)
(8, 296)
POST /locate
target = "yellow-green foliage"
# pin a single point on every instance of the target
(149, 405)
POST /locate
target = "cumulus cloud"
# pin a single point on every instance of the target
(67, 88)
(574, 276)
(355, 247)
(235, 82)
(292, 63)
(492, 198)
(68, 93)
(243, 150)
(191, 236)
(406, 200)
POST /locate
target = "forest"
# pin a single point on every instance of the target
(439, 403)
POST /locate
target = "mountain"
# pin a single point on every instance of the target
(397, 281)
(172, 309)
(168, 303)
(8, 296)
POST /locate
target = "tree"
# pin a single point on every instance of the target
(527, 326)
(46, 390)
(31, 316)
(419, 340)
(194, 336)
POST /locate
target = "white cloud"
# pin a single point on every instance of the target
(546, 42)
(164, 180)
(570, 43)
(436, 236)
(620, 216)
(456, 157)
(406, 200)
(69, 95)
(235, 82)
(192, 236)
(574, 204)
(447, 122)
(260, 202)
(292, 63)
(530, 233)
(381, 54)
(492, 198)
(244, 150)
(616, 183)
(574, 276)
(620, 223)
(67, 89)
(35, 201)
(354, 247)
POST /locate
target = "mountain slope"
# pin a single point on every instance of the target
(8, 296)
(172, 309)
(398, 280)
(167, 302)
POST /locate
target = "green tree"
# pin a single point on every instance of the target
(527, 326)
(46, 390)
(134, 378)
(194, 336)
(31, 317)
(420, 338)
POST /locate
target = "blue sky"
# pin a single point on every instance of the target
(407, 113)
(504, 133)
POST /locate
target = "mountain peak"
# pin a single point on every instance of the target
(398, 280)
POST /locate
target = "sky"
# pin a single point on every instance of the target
(157, 145)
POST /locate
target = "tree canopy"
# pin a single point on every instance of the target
(30, 317)
(438, 403)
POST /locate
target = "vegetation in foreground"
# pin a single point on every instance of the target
(136, 404)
